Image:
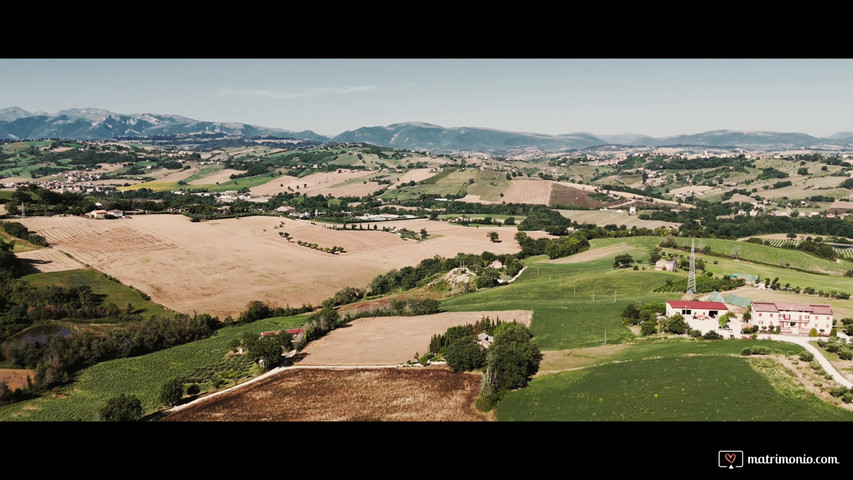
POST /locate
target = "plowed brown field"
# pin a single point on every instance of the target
(335, 395)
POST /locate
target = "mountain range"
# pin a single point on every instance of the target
(98, 124)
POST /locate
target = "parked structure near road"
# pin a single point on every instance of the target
(795, 318)
(695, 310)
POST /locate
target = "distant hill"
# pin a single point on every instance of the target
(734, 138)
(97, 124)
(424, 136)
(629, 139)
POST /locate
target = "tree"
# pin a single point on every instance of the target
(268, 349)
(493, 236)
(631, 314)
(655, 256)
(623, 261)
(171, 392)
(648, 327)
(512, 365)
(424, 234)
(676, 324)
(122, 408)
(256, 310)
(464, 354)
(512, 360)
(488, 278)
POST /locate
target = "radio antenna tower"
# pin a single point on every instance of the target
(691, 276)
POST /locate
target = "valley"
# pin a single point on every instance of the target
(345, 229)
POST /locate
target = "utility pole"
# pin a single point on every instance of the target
(691, 275)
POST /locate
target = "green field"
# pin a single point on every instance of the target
(154, 185)
(20, 245)
(768, 255)
(489, 185)
(236, 184)
(574, 305)
(204, 172)
(113, 292)
(449, 182)
(713, 387)
(143, 376)
(795, 278)
(666, 380)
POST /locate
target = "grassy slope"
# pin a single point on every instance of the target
(114, 292)
(566, 317)
(574, 304)
(672, 388)
(20, 245)
(141, 376)
(449, 182)
(769, 255)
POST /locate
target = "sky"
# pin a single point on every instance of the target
(655, 97)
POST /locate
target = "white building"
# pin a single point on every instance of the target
(797, 318)
(665, 265)
(695, 310)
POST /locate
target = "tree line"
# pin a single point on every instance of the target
(508, 363)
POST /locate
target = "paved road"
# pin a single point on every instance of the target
(705, 325)
(818, 355)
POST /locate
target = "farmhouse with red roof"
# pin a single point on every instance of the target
(695, 310)
(797, 318)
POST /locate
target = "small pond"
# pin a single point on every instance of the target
(39, 334)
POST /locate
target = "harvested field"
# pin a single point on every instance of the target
(219, 266)
(221, 176)
(528, 191)
(311, 184)
(349, 395)
(379, 341)
(416, 175)
(48, 260)
(166, 175)
(15, 378)
(690, 189)
(566, 196)
(613, 217)
(349, 189)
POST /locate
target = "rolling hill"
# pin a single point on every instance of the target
(98, 124)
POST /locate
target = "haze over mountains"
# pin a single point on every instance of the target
(98, 124)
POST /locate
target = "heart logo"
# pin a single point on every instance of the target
(730, 457)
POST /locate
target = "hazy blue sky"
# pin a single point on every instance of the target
(657, 97)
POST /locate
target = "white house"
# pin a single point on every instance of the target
(797, 318)
(665, 265)
(695, 310)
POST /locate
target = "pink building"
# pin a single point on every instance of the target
(798, 318)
